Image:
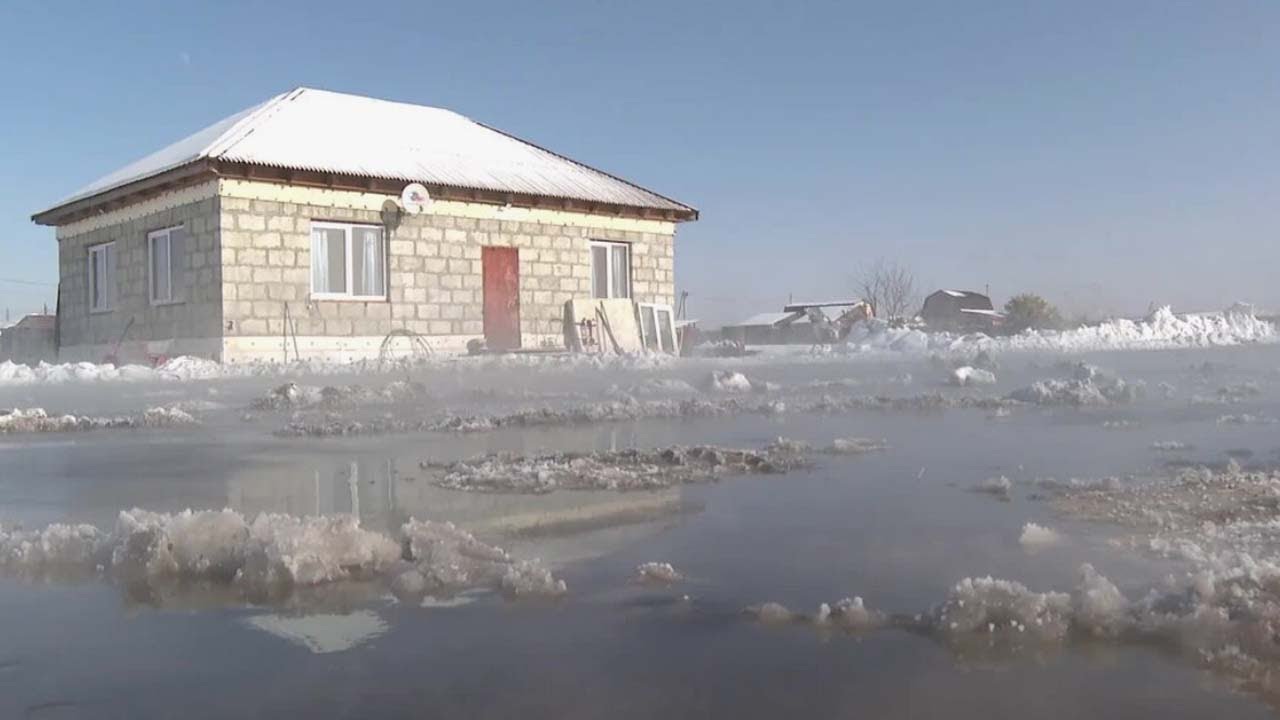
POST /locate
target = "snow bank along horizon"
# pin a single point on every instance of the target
(1161, 330)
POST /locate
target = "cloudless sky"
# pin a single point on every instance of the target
(1105, 154)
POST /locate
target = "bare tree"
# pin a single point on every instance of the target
(889, 287)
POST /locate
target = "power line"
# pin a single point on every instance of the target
(16, 281)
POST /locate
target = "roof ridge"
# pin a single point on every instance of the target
(245, 127)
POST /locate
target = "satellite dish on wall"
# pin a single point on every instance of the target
(415, 198)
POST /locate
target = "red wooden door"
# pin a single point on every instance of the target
(501, 297)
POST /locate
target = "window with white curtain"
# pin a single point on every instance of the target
(610, 269)
(102, 277)
(348, 261)
(165, 249)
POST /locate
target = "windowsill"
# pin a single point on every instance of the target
(162, 303)
(102, 311)
(333, 297)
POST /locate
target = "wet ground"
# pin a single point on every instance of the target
(897, 527)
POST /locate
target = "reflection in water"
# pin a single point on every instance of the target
(323, 633)
(385, 492)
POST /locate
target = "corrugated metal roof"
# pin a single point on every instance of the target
(307, 129)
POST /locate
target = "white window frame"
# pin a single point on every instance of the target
(91, 284)
(164, 235)
(662, 321)
(347, 228)
(611, 247)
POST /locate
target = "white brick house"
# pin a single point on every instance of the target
(288, 211)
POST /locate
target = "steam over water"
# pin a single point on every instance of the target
(875, 535)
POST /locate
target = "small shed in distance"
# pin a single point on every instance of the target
(771, 328)
(960, 311)
(30, 340)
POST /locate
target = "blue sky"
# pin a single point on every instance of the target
(1107, 155)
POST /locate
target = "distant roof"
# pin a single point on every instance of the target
(37, 321)
(319, 130)
(962, 299)
(963, 293)
(770, 318)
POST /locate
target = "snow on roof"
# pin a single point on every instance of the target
(982, 311)
(769, 318)
(308, 129)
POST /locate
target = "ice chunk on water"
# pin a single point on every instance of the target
(57, 545)
(967, 375)
(999, 486)
(989, 605)
(728, 381)
(658, 572)
(771, 613)
(1036, 537)
(856, 446)
(1099, 607)
(530, 578)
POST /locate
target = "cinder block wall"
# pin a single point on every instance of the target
(190, 326)
(435, 282)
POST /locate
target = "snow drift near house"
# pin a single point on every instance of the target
(1162, 329)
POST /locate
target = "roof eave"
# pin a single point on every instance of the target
(126, 194)
(208, 169)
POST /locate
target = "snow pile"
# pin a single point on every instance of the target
(659, 573)
(36, 420)
(1162, 329)
(621, 470)
(1169, 446)
(967, 375)
(1035, 537)
(270, 555)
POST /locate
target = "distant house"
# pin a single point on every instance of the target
(278, 229)
(960, 311)
(30, 340)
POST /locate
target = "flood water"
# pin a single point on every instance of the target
(899, 528)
